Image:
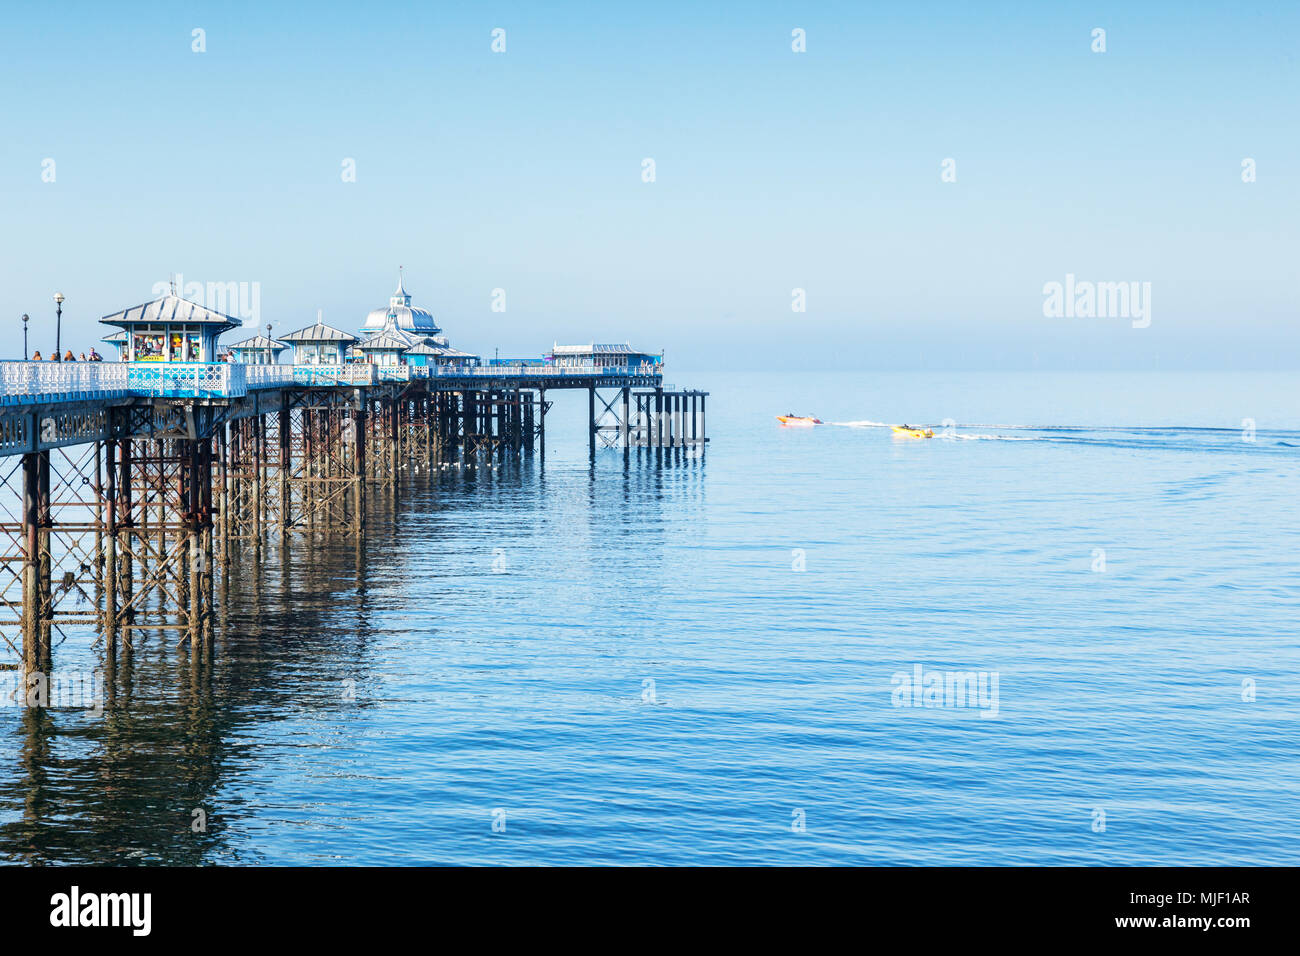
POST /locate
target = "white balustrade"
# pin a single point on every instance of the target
(31, 382)
(268, 376)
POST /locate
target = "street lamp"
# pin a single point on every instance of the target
(26, 319)
(58, 326)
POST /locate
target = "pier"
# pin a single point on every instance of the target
(126, 488)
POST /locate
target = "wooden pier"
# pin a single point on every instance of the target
(126, 488)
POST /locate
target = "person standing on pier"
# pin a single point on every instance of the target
(36, 356)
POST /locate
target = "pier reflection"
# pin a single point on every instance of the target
(145, 781)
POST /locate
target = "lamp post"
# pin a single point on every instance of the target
(270, 352)
(26, 318)
(58, 326)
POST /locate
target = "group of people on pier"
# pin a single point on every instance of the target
(69, 357)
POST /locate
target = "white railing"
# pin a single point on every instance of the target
(355, 374)
(28, 382)
(268, 376)
(575, 371)
(32, 382)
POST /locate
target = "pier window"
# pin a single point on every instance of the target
(149, 347)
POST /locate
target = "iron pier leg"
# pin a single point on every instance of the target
(110, 549)
(31, 566)
(591, 422)
(541, 429)
(44, 521)
(359, 465)
(624, 432)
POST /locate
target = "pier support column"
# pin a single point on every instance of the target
(516, 421)
(285, 457)
(257, 434)
(430, 431)
(659, 418)
(529, 423)
(109, 554)
(393, 440)
(591, 422)
(126, 520)
(224, 502)
(207, 571)
(31, 566)
(191, 465)
(624, 434)
(359, 464)
(44, 522)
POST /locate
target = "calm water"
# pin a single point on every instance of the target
(627, 663)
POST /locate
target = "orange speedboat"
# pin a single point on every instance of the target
(793, 419)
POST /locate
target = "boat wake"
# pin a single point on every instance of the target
(1119, 436)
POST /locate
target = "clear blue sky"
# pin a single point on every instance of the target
(775, 170)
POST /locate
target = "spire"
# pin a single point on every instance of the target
(400, 297)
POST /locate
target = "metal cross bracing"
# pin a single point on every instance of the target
(163, 538)
(659, 418)
(495, 421)
(417, 431)
(312, 472)
(52, 537)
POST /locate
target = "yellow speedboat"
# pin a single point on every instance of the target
(793, 419)
(907, 431)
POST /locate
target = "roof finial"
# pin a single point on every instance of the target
(320, 316)
(400, 297)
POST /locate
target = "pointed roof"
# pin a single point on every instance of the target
(446, 351)
(258, 342)
(389, 338)
(320, 332)
(424, 348)
(170, 308)
(400, 297)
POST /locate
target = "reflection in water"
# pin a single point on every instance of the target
(178, 753)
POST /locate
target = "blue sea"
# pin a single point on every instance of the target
(710, 658)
